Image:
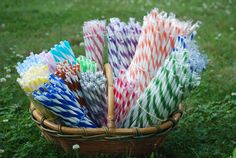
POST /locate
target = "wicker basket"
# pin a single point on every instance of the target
(108, 140)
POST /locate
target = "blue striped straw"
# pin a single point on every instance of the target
(197, 60)
(62, 52)
(57, 98)
(34, 60)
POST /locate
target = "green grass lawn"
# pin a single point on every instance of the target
(208, 128)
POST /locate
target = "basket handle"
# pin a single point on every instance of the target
(110, 98)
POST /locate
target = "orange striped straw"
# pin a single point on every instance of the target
(156, 42)
(71, 75)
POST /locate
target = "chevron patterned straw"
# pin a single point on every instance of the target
(167, 89)
(94, 34)
(94, 90)
(62, 52)
(57, 97)
(122, 42)
(71, 75)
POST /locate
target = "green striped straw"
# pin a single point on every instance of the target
(86, 65)
(167, 89)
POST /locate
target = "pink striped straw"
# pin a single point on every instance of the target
(156, 42)
(125, 94)
(94, 34)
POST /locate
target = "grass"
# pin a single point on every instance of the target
(208, 127)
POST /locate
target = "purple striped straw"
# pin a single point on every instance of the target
(122, 42)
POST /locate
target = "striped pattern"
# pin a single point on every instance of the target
(33, 78)
(156, 42)
(62, 52)
(86, 64)
(122, 42)
(94, 90)
(125, 95)
(157, 39)
(49, 60)
(71, 75)
(42, 58)
(197, 60)
(57, 98)
(94, 34)
(167, 89)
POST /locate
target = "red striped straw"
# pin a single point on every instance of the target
(70, 74)
(125, 94)
(156, 42)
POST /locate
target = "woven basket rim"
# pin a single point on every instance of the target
(51, 127)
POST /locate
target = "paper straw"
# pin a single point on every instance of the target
(86, 65)
(49, 60)
(71, 75)
(125, 94)
(62, 52)
(122, 42)
(33, 78)
(197, 60)
(36, 59)
(167, 89)
(156, 42)
(157, 39)
(94, 33)
(34, 72)
(57, 97)
(94, 91)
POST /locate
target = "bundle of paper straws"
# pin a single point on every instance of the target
(161, 35)
(62, 89)
(122, 42)
(155, 66)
